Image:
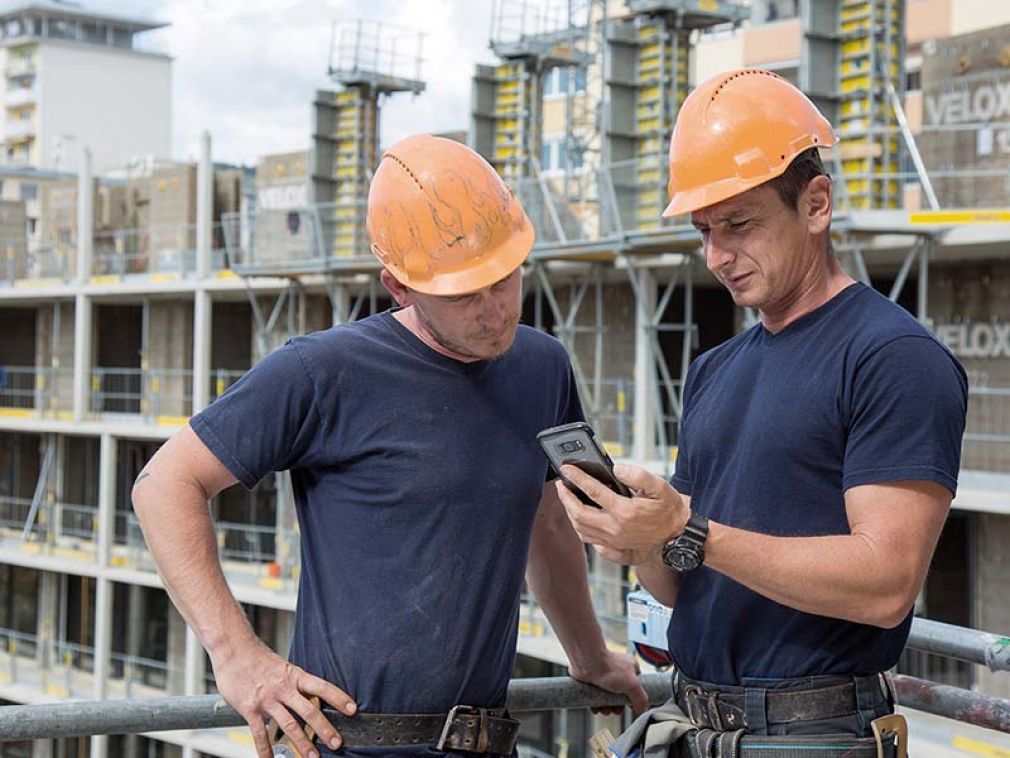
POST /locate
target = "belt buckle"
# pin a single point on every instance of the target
(482, 729)
(692, 695)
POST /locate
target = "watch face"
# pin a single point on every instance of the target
(682, 557)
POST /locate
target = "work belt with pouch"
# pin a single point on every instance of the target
(465, 729)
(714, 724)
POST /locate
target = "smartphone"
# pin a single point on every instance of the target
(576, 444)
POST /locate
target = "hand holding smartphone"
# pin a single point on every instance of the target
(576, 444)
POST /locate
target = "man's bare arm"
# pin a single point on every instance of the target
(170, 497)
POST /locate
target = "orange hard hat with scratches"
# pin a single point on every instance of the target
(441, 219)
(735, 131)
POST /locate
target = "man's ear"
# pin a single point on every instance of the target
(397, 291)
(815, 203)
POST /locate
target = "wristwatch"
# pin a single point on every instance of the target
(686, 552)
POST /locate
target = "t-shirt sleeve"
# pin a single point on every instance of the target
(266, 421)
(907, 415)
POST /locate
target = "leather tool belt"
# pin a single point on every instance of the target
(721, 711)
(465, 729)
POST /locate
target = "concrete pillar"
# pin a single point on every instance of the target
(193, 675)
(46, 614)
(202, 314)
(85, 219)
(340, 301)
(103, 594)
(176, 658)
(83, 311)
(204, 207)
(992, 577)
(644, 439)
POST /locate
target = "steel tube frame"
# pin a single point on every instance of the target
(71, 719)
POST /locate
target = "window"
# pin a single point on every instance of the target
(557, 79)
(913, 80)
(29, 191)
(553, 155)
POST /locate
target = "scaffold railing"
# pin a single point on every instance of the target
(79, 718)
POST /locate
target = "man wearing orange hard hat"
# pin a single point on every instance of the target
(818, 455)
(420, 489)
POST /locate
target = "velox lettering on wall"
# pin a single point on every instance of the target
(988, 339)
(989, 101)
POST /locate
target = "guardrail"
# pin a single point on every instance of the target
(79, 719)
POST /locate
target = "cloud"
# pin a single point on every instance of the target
(246, 70)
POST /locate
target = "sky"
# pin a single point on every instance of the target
(246, 70)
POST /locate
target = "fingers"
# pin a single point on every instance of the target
(644, 483)
(596, 490)
(589, 523)
(261, 741)
(327, 692)
(314, 718)
(639, 699)
(293, 731)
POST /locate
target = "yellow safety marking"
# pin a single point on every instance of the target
(614, 448)
(673, 453)
(171, 420)
(995, 216)
(165, 277)
(57, 691)
(530, 629)
(17, 412)
(243, 738)
(75, 555)
(708, 5)
(106, 279)
(978, 748)
(5, 678)
(271, 583)
(117, 560)
(65, 415)
(52, 282)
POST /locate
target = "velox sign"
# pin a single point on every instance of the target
(988, 339)
(989, 101)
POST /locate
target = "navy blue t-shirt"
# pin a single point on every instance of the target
(776, 428)
(416, 480)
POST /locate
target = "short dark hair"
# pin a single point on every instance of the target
(803, 168)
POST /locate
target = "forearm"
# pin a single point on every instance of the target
(849, 576)
(659, 579)
(180, 534)
(557, 574)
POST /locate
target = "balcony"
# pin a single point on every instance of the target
(19, 130)
(59, 529)
(160, 396)
(35, 391)
(20, 96)
(19, 66)
(167, 252)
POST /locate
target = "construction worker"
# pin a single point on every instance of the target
(420, 490)
(819, 449)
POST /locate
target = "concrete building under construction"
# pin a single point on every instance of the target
(144, 293)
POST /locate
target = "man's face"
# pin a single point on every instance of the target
(480, 325)
(757, 247)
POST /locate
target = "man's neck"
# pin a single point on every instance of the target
(408, 317)
(821, 286)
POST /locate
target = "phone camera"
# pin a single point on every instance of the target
(571, 446)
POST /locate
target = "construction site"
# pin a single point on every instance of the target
(132, 294)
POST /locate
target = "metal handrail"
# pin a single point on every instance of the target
(78, 719)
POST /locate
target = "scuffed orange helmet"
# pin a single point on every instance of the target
(736, 131)
(442, 221)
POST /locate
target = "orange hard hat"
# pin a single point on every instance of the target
(736, 131)
(441, 220)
